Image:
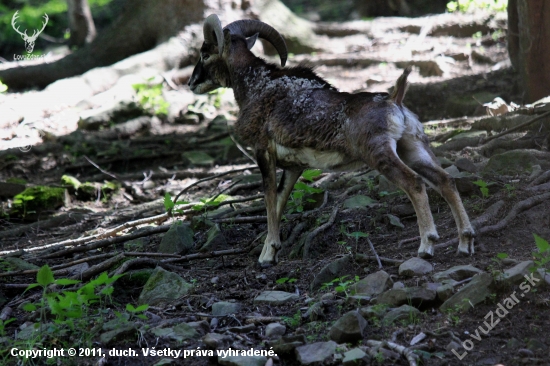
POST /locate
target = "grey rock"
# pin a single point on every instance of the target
(373, 312)
(513, 343)
(415, 267)
(125, 332)
(122, 110)
(216, 341)
(467, 165)
(524, 352)
(444, 162)
(453, 345)
(404, 312)
(398, 285)
(275, 330)
(315, 352)
(287, 344)
(180, 332)
(331, 271)
(516, 161)
(215, 240)
(316, 311)
(242, 360)
(349, 328)
(275, 298)
(177, 240)
(358, 300)
(445, 291)
(242, 328)
(224, 308)
(412, 295)
(457, 273)
(201, 326)
(431, 286)
(515, 275)
(452, 170)
(355, 356)
(163, 286)
(470, 295)
(536, 344)
(28, 332)
(372, 285)
(359, 201)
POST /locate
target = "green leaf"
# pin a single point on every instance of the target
(45, 276)
(143, 307)
(310, 174)
(394, 220)
(31, 286)
(168, 204)
(541, 244)
(130, 308)
(502, 255)
(29, 307)
(357, 234)
(281, 280)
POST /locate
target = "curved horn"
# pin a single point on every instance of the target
(248, 28)
(213, 26)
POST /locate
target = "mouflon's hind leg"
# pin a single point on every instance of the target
(422, 160)
(385, 159)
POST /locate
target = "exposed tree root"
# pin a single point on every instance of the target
(98, 268)
(411, 357)
(313, 234)
(516, 210)
(517, 128)
(543, 178)
(375, 254)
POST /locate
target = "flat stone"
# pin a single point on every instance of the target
(411, 295)
(467, 165)
(517, 161)
(216, 341)
(180, 332)
(515, 275)
(415, 267)
(333, 270)
(275, 330)
(470, 295)
(315, 352)
(163, 286)
(242, 360)
(404, 312)
(215, 240)
(373, 312)
(457, 273)
(224, 308)
(177, 240)
(372, 285)
(275, 298)
(445, 291)
(355, 356)
(349, 328)
(125, 332)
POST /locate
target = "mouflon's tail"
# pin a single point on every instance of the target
(401, 87)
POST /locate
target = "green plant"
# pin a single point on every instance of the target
(340, 285)
(510, 189)
(298, 195)
(3, 87)
(379, 357)
(169, 204)
(133, 311)
(3, 324)
(469, 5)
(483, 187)
(542, 257)
(293, 321)
(150, 97)
(284, 280)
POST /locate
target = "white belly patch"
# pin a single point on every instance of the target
(307, 157)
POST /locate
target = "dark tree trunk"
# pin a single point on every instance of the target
(142, 27)
(81, 23)
(138, 29)
(530, 53)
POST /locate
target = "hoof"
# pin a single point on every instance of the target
(266, 265)
(425, 255)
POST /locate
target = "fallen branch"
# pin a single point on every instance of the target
(407, 241)
(219, 253)
(519, 127)
(364, 258)
(58, 267)
(543, 178)
(56, 221)
(516, 210)
(106, 242)
(98, 268)
(207, 179)
(326, 225)
(375, 254)
(403, 351)
(134, 262)
(540, 188)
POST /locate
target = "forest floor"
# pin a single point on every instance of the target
(128, 168)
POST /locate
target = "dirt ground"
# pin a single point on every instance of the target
(64, 150)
